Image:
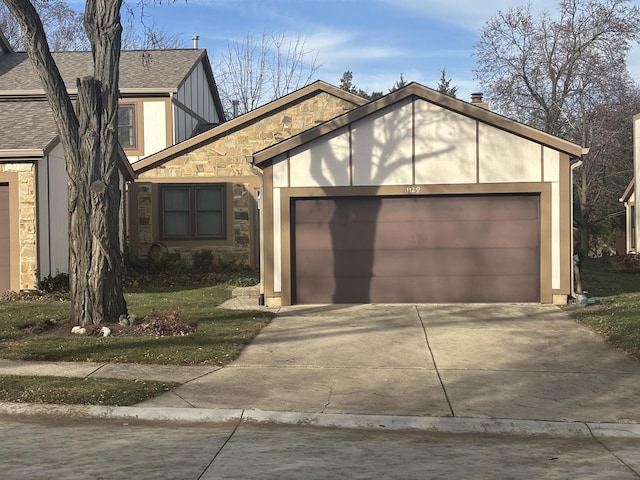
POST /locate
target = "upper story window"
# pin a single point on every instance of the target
(127, 134)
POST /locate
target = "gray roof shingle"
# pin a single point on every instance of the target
(26, 125)
(154, 69)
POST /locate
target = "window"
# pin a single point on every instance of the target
(127, 126)
(192, 211)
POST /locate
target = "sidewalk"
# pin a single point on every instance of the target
(390, 368)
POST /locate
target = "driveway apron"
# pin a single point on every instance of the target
(520, 361)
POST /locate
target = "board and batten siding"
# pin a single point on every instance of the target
(415, 147)
(195, 93)
(53, 217)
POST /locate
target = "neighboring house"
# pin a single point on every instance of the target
(632, 236)
(202, 194)
(166, 95)
(417, 197)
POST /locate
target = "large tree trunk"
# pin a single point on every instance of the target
(90, 143)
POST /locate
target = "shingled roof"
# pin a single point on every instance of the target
(18, 121)
(149, 69)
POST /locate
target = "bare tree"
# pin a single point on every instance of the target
(562, 74)
(254, 72)
(62, 23)
(88, 134)
(65, 30)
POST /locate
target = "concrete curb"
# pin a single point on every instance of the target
(461, 425)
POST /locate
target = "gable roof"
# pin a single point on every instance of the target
(421, 92)
(629, 191)
(19, 138)
(152, 70)
(242, 121)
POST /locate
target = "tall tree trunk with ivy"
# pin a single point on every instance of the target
(89, 138)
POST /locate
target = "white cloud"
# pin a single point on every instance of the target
(340, 48)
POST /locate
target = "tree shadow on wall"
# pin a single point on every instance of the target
(338, 265)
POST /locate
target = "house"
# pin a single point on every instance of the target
(203, 194)
(417, 197)
(630, 244)
(166, 95)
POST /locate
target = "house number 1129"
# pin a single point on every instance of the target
(413, 189)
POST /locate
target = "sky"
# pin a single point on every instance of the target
(376, 39)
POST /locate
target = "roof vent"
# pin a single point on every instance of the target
(195, 39)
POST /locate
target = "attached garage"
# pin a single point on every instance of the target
(5, 252)
(417, 249)
(417, 198)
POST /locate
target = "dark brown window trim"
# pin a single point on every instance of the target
(192, 188)
(134, 125)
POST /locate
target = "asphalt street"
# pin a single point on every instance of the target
(82, 449)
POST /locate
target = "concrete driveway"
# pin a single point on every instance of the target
(521, 361)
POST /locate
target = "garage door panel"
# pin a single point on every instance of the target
(453, 289)
(417, 249)
(426, 263)
(398, 235)
(443, 209)
(5, 272)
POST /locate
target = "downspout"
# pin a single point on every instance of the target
(258, 172)
(577, 164)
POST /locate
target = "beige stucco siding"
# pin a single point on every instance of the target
(504, 157)
(277, 242)
(551, 173)
(154, 127)
(281, 171)
(551, 165)
(445, 146)
(324, 163)
(382, 147)
(155, 132)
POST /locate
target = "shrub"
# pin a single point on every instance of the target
(165, 324)
(626, 263)
(56, 284)
(203, 261)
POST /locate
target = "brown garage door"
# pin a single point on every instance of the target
(5, 276)
(416, 249)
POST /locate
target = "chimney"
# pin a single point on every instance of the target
(195, 39)
(476, 99)
(235, 104)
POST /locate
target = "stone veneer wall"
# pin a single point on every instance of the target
(226, 158)
(27, 233)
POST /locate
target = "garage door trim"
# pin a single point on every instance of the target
(287, 195)
(11, 179)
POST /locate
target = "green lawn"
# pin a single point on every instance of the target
(79, 391)
(218, 339)
(27, 332)
(617, 316)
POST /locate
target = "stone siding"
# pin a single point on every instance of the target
(225, 157)
(27, 231)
